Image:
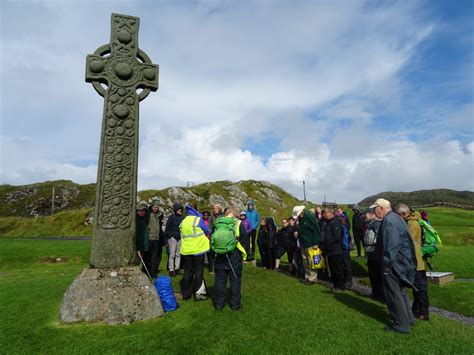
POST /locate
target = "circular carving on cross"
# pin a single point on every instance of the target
(124, 37)
(121, 111)
(149, 74)
(96, 66)
(124, 71)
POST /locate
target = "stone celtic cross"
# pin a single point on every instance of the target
(117, 71)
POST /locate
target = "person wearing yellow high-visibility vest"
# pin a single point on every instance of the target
(194, 246)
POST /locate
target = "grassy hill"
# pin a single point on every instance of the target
(424, 197)
(74, 204)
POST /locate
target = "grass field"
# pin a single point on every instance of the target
(279, 315)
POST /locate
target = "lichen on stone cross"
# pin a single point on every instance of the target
(117, 70)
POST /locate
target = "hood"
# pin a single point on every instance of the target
(414, 216)
(192, 212)
(176, 207)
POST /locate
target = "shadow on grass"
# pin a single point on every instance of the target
(364, 307)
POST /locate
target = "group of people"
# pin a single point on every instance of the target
(225, 240)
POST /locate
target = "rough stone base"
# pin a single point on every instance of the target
(113, 295)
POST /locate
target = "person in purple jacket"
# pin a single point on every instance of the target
(248, 228)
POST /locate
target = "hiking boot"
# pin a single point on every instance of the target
(200, 297)
(178, 272)
(424, 317)
(172, 274)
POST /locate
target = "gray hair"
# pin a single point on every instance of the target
(401, 207)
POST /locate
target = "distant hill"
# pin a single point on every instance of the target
(36, 199)
(424, 197)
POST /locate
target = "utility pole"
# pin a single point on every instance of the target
(304, 192)
(52, 203)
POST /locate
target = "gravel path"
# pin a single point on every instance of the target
(365, 290)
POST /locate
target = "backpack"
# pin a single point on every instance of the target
(164, 288)
(224, 239)
(346, 239)
(430, 240)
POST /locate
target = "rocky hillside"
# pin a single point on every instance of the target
(425, 197)
(36, 199)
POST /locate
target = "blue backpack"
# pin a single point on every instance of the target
(165, 291)
(346, 239)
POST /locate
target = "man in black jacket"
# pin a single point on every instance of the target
(332, 235)
(358, 228)
(399, 265)
(173, 239)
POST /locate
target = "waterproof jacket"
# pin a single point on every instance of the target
(155, 225)
(194, 233)
(309, 232)
(357, 222)
(247, 225)
(172, 224)
(253, 218)
(285, 236)
(398, 248)
(332, 237)
(416, 233)
(268, 237)
(142, 237)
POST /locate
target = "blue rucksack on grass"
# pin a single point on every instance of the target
(346, 239)
(164, 288)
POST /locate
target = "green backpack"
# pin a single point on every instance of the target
(224, 239)
(431, 242)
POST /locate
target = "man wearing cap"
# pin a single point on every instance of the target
(254, 219)
(141, 229)
(155, 247)
(309, 237)
(399, 265)
(374, 261)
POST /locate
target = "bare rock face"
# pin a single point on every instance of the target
(111, 295)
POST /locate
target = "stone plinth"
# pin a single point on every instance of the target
(440, 278)
(111, 295)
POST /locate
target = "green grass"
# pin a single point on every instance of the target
(66, 223)
(280, 315)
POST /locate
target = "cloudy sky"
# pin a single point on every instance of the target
(355, 97)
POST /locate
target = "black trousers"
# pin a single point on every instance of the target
(193, 274)
(298, 258)
(262, 250)
(252, 240)
(269, 257)
(347, 268)
(153, 256)
(397, 302)
(336, 266)
(228, 266)
(375, 275)
(358, 241)
(211, 257)
(282, 249)
(421, 302)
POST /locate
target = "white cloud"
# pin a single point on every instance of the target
(279, 91)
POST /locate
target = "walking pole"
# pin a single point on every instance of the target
(231, 267)
(143, 263)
